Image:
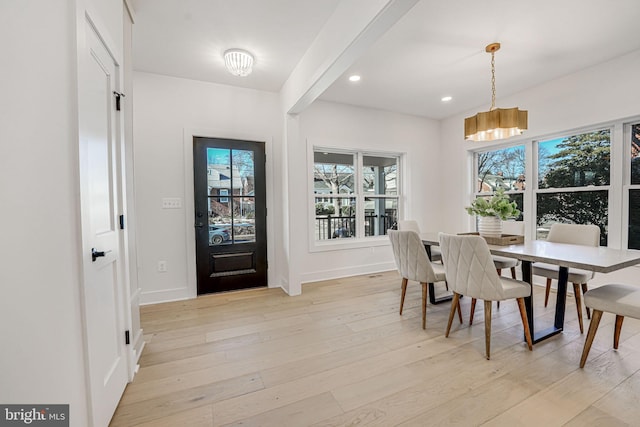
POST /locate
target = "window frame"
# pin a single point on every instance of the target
(360, 241)
(619, 182)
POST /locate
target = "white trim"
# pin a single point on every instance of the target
(338, 273)
(165, 295)
(190, 235)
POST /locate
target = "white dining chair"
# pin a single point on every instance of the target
(471, 272)
(412, 225)
(621, 300)
(413, 264)
(503, 262)
(575, 234)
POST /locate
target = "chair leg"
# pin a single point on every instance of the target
(446, 285)
(593, 327)
(473, 310)
(499, 270)
(404, 292)
(546, 292)
(459, 313)
(525, 322)
(424, 305)
(487, 328)
(455, 302)
(513, 272)
(616, 333)
(584, 291)
(576, 294)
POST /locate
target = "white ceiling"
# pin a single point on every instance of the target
(436, 49)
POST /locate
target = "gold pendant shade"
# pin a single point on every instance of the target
(500, 123)
(497, 123)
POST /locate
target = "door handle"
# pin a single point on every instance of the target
(199, 225)
(97, 254)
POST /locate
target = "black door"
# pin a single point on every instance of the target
(230, 209)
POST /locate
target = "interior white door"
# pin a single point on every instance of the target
(103, 286)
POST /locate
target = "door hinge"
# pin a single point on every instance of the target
(121, 222)
(127, 341)
(118, 95)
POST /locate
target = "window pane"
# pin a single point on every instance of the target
(219, 220)
(634, 219)
(380, 214)
(379, 175)
(333, 173)
(244, 220)
(335, 217)
(501, 169)
(581, 207)
(635, 154)
(574, 161)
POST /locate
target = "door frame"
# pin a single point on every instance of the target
(189, 202)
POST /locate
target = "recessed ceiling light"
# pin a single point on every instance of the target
(446, 98)
(354, 78)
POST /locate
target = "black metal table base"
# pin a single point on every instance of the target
(558, 323)
(438, 300)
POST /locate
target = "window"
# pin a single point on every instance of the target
(355, 194)
(633, 185)
(504, 169)
(573, 181)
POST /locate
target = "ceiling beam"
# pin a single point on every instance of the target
(349, 32)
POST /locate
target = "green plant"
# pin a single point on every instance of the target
(497, 205)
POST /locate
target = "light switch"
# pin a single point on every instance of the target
(171, 203)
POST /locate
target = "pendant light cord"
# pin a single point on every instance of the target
(493, 82)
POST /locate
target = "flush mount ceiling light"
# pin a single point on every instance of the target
(497, 123)
(354, 78)
(239, 62)
(446, 98)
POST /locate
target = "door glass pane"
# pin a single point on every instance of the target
(333, 173)
(501, 169)
(379, 175)
(244, 225)
(335, 217)
(574, 161)
(219, 187)
(380, 214)
(580, 207)
(635, 154)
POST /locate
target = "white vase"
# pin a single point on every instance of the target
(490, 226)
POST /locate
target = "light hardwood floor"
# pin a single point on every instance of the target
(341, 355)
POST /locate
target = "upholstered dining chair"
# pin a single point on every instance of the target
(412, 225)
(503, 262)
(471, 272)
(621, 300)
(576, 234)
(414, 264)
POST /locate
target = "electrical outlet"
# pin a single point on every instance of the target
(171, 203)
(162, 266)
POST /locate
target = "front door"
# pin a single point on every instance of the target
(103, 283)
(230, 214)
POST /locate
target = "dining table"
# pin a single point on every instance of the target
(601, 259)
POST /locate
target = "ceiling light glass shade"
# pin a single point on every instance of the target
(239, 62)
(500, 123)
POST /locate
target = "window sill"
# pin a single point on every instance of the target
(348, 243)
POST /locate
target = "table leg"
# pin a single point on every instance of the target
(432, 293)
(558, 323)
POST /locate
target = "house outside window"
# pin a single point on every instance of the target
(355, 193)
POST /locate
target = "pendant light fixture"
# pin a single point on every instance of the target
(497, 123)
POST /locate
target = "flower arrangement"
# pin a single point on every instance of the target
(499, 205)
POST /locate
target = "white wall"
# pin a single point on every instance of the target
(42, 353)
(166, 109)
(338, 125)
(600, 94)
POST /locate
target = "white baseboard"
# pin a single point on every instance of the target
(168, 295)
(317, 276)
